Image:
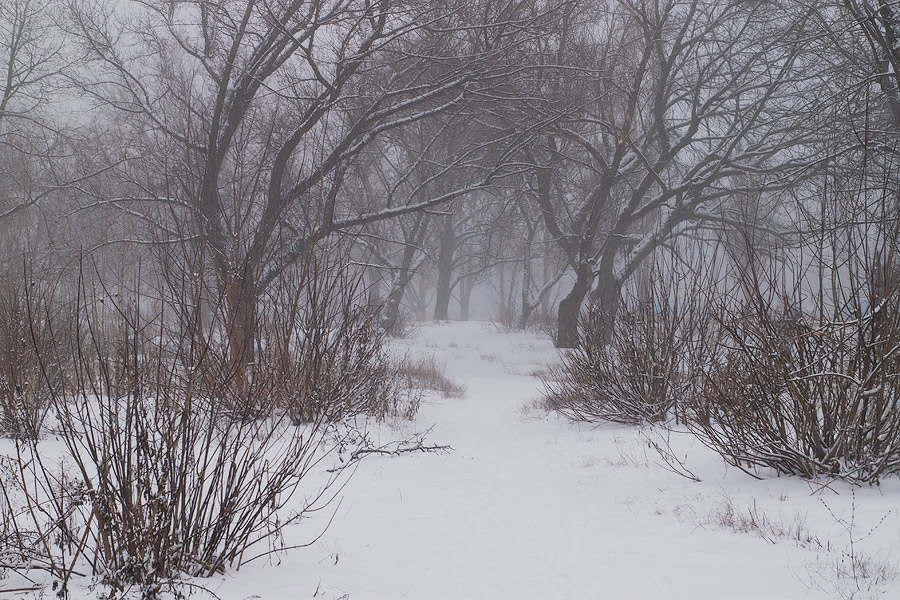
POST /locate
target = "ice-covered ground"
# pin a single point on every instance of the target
(528, 506)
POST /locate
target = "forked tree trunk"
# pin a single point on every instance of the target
(522, 323)
(398, 288)
(375, 298)
(570, 308)
(391, 318)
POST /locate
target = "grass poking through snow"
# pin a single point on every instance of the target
(425, 373)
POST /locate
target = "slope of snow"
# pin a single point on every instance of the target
(528, 506)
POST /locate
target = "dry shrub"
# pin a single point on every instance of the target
(802, 396)
(177, 482)
(28, 345)
(630, 372)
(328, 353)
(425, 373)
(184, 464)
(754, 520)
(808, 384)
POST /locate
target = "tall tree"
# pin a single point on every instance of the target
(674, 106)
(32, 61)
(246, 116)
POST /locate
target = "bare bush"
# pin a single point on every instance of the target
(178, 482)
(803, 394)
(185, 467)
(754, 520)
(326, 350)
(632, 373)
(27, 315)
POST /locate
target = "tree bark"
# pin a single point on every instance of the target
(241, 300)
(422, 299)
(605, 299)
(527, 276)
(375, 278)
(522, 324)
(392, 308)
(465, 297)
(570, 308)
(445, 271)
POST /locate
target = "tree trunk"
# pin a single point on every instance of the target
(442, 299)
(422, 299)
(546, 265)
(570, 308)
(605, 299)
(375, 276)
(398, 287)
(522, 324)
(241, 300)
(391, 319)
(527, 276)
(465, 297)
(445, 271)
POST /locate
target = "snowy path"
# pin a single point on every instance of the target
(530, 507)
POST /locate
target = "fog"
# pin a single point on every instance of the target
(222, 192)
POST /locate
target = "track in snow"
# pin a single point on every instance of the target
(527, 506)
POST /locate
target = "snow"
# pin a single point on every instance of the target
(529, 506)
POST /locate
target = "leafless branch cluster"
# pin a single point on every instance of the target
(30, 352)
(640, 367)
(807, 390)
(634, 377)
(784, 358)
(177, 464)
(805, 400)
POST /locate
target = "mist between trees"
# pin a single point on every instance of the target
(212, 168)
(531, 156)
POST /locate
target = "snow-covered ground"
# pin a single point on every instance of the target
(528, 506)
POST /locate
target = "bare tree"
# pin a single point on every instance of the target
(247, 116)
(393, 248)
(673, 108)
(413, 230)
(536, 283)
(31, 65)
(879, 23)
(468, 245)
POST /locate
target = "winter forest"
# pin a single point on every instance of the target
(431, 299)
